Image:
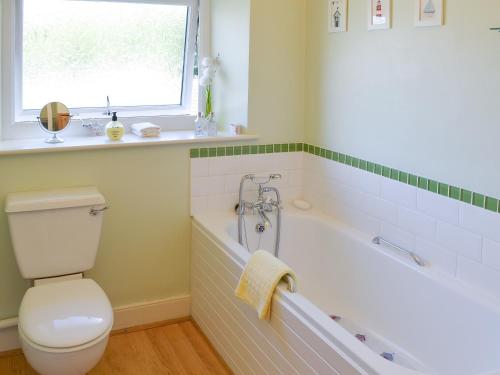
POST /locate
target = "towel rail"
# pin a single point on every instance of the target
(411, 254)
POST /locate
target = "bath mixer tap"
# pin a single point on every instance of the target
(263, 206)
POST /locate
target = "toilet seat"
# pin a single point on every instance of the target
(67, 315)
(97, 341)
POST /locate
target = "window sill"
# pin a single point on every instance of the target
(33, 146)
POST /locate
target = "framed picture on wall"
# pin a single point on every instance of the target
(429, 13)
(379, 14)
(337, 16)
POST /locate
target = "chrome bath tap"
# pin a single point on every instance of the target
(263, 206)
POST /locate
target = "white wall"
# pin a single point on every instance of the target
(424, 100)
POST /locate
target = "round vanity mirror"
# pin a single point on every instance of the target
(54, 118)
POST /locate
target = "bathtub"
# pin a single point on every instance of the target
(432, 324)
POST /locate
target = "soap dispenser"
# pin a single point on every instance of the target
(115, 129)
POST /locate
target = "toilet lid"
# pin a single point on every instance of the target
(65, 314)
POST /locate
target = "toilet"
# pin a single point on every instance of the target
(64, 319)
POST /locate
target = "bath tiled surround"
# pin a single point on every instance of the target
(216, 173)
(456, 237)
(457, 231)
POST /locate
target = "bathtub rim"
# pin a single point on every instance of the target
(475, 294)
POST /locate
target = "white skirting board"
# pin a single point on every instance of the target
(151, 312)
(125, 317)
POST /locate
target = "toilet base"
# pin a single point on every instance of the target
(74, 361)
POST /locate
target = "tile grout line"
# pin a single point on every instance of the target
(490, 204)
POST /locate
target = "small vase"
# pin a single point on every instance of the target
(211, 128)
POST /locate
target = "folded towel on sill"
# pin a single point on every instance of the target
(259, 280)
(146, 130)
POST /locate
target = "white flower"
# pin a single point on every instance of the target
(205, 81)
(208, 62)
(209, 73)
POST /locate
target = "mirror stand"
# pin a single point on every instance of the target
(54, 140)
(54, 118)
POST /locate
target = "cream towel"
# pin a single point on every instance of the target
(259, 281)
(146, 130)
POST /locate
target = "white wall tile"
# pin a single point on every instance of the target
(295, 178)
(224, 165)
(340, 172)
(199, 167)
(477, 274)
(254, 164)
(198, 205)
(310, 162)
(416, 223)
(459, 240)
(435, 205)
(368, 182)
(201, 186)
(300, 159)
(446, 233)
(377, 207)
(232, 184)
(436, 256)
(222, 202)
(399, 193)
(285, 161)
(480, 221)
(491, 253)
(357, 219)
(288, 195)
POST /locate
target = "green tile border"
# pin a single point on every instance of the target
(255, 150)
(453, 192)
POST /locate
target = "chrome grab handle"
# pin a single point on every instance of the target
(291, 286)
(411, 254)
(97, 211)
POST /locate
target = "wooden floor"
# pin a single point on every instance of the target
(176, 349)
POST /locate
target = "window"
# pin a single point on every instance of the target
(139, 53)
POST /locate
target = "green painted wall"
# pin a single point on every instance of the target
(144, 253)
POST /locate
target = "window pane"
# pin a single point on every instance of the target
(78, 52)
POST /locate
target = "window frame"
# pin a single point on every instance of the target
(12, 68)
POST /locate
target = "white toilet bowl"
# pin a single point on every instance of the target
(64, 326)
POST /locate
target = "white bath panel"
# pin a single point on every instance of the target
(341, 272)
(262, 347)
